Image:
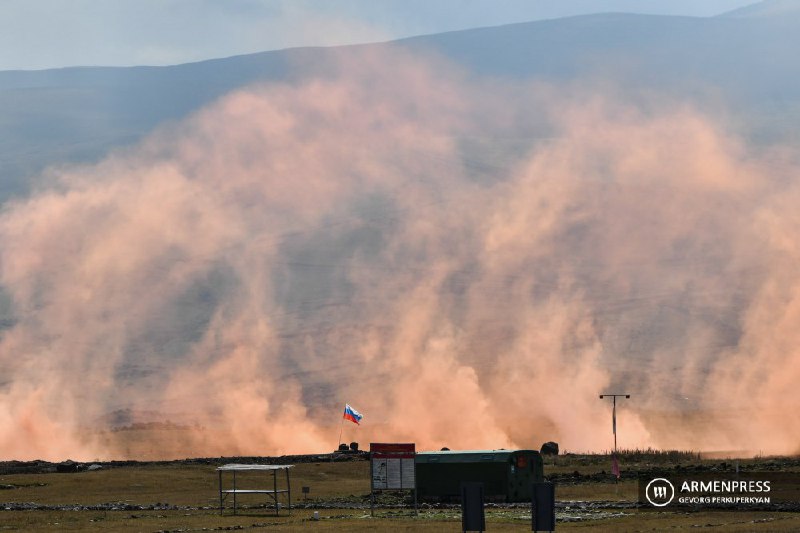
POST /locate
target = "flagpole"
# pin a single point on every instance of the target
(341, 427)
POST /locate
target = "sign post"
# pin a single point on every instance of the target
(392, 467)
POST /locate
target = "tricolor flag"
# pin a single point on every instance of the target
(351, 414)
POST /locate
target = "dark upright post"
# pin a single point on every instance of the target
(543, 512)
(472, 513)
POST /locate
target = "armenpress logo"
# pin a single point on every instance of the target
(660, 492)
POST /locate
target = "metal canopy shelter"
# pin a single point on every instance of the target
(272, 493)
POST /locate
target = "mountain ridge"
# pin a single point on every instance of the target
(77, 114)
(765, 9)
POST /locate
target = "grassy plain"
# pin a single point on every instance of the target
(182, 496)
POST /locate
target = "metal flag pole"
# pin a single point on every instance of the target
(341, 427)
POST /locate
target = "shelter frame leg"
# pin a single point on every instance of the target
(275, 490)
(288, 491)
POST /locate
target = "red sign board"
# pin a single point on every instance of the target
(392, 449)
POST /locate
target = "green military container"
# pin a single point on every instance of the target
(506, 474)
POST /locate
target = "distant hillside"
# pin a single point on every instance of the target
(767, 8)
(78, 114)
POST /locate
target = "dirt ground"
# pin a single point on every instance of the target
(183, 496)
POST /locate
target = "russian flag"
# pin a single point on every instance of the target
(351, 414)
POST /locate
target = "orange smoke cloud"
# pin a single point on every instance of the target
(469, 263)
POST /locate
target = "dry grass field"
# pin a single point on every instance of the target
(182, 496)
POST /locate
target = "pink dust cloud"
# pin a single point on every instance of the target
(468, 262)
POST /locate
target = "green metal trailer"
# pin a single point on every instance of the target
(506, 474)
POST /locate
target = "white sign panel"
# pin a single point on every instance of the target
(407, 481)
(393, 473)
(379, 474)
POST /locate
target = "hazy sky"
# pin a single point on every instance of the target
(37, 34)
